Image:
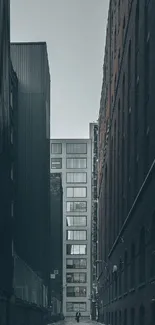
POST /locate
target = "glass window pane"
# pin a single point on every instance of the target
(76, 192)
(75, 306)
(76, 249)
(76, 177)
(76, 235)
(76, 148)
(56, 163)
(76, 291)
(76, 277)
(76, 163)
(69, 263)
(69, 221)
(77, 206)
(76, 263)
(56, 148)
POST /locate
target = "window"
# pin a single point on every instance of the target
(78, 206)
(76, 277)
(11, 135)
(132, 316)
(76, 235)
(76, 263)
(76, 249)
(12, 208)
(76, 163)
(76, 177)
(125, 272)
(115, 317)
(120, 278)
(152, 269)
(76, 221)
(142, 257)
(76, 291)
(56, 148)
(125, 317)
(76, 191)
(132, 270)
(75, 306)
(12, 174)
(56, 163)
(142, 315)
(76, 148)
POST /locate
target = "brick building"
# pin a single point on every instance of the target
(126, 207)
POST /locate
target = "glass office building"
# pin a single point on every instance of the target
(73, 159)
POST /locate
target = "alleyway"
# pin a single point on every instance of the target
(72, 321)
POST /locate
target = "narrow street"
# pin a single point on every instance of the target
(72, 321)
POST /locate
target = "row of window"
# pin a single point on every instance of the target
(76, 221)
(125, 169)
(71, 148)
(76, 263)
(76, 291)
(76, 206)
(75, 306)
(119, 317)
(76, 249)
(71, 163)
(76, 235)
(132, 271)
(76, 277)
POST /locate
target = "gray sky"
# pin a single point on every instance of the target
(75, 34)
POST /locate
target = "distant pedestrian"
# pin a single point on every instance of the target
(77, 317)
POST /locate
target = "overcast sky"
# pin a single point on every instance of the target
(75, 34)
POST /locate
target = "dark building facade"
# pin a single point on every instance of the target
(56, 195)
(126, 207)
(6, 186)
(93, 127)
(32, 206)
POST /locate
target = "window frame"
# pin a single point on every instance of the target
(56, 153)
(74, 191)
(76, 232)
(76, 274)
(76, 144)
(76, 182)
(74, 264)
(74, 218)
(56, 159)
(74, 159)
(75, 292)
(74, 210)
(73, 245)
(78, 306)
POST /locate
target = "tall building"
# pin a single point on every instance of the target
(94, 137)
(56, 202)
(72, 158)
(6, 158)
(32, 206)
(126, 176)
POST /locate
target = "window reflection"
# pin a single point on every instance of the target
(76, 191)
(76, 291)
(76, 263)
(77, 206)
(76, 221)
(76, 249)
(76, 235)
(76, 277)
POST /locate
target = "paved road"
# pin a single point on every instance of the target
(73, 322)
